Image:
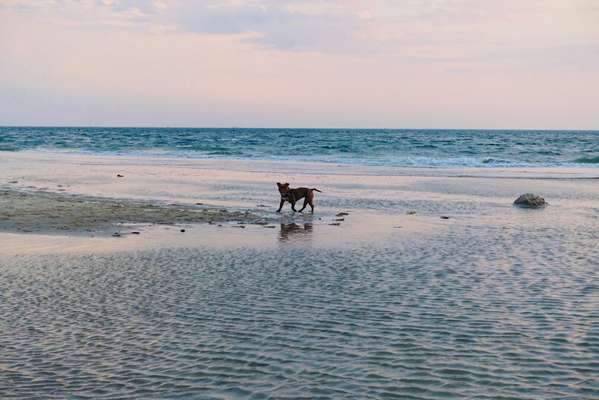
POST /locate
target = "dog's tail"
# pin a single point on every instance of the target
(319, 191)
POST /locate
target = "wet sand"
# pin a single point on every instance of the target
(65, 195)
(47, 212)
(388, 301)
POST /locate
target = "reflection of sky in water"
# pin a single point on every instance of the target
(471, 311)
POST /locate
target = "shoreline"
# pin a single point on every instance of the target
(34, 222)
(148, 158)
(71, 195)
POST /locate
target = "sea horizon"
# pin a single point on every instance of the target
(325, 128)
(384, 147)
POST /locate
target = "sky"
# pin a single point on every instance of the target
(496, 64)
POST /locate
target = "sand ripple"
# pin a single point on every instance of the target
(476, 313)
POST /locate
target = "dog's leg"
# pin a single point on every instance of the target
(281, 205)
(293, 206)
(312, 206)
(305, 204)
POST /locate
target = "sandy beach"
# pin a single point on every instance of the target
(60, 197)
(426, 282)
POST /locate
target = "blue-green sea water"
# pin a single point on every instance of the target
(418, 148)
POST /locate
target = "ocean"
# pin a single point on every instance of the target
(403, 147)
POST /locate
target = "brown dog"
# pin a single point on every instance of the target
(293, 195)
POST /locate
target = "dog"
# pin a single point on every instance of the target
(292, 195)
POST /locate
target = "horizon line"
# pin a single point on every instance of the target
(298, 128)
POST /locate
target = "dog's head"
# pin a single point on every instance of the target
(283, 189)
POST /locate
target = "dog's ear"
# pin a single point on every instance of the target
(286, 184)
(279, 184)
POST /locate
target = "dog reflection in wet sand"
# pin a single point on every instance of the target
(295, 194)
(290, 230)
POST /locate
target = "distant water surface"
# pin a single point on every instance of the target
(419, 148)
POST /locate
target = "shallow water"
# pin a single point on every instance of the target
(477, 311)
(495, 302)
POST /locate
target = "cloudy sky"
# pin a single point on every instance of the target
(301, 63)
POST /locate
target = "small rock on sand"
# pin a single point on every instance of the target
(444, 217)
(342, 214)
(116, 234)
(530, 200)
(13, 182)
(339, 219)
(335, 224)
(182, 231)
(120, 176)
(135, 233)
(411, 212)
(199, 204)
